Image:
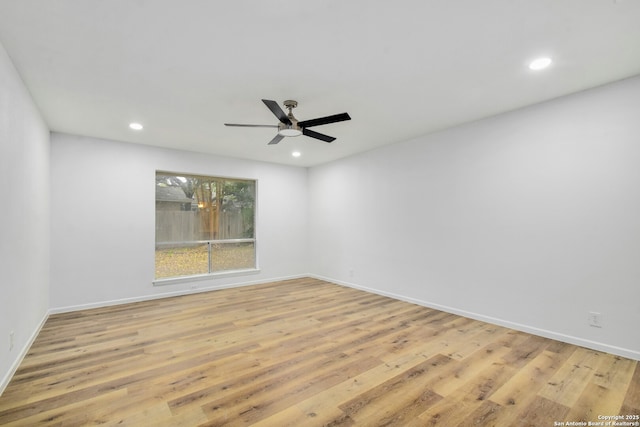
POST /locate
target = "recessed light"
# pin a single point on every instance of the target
(540, 63)
(296, 154)
(135, 126)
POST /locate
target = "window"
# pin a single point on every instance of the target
(204, 225)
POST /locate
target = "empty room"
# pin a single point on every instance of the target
(328, 213)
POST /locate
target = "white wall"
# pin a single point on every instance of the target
(103, 219)
(24, 218)
(529, 219)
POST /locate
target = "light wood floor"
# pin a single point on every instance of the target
(305, 353)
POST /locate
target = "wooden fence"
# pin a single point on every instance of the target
(184, 226)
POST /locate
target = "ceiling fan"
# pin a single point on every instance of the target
(290, 126)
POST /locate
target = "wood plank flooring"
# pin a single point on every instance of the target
(306, 353)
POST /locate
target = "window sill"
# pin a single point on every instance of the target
(220, 275)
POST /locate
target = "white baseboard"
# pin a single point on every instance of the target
(100, 304)
(619, 351)
(23, 352)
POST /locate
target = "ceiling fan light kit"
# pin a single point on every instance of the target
(290, 126)
(289, 131)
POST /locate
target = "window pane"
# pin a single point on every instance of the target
(238, 207)
(195, 210)
(181, 260)
(233, 256)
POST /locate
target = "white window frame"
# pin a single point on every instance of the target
(210, 243)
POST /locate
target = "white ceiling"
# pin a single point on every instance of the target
(399, 68)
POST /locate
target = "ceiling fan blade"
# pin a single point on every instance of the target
(317, 135)
(276, 139)
(324, 120)
(250, 126)
(277, 111)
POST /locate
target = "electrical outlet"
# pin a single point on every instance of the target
(10, 340)
(595, 319)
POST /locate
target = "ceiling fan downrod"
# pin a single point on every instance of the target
(290, 129)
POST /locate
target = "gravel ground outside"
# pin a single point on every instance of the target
(187, 261)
